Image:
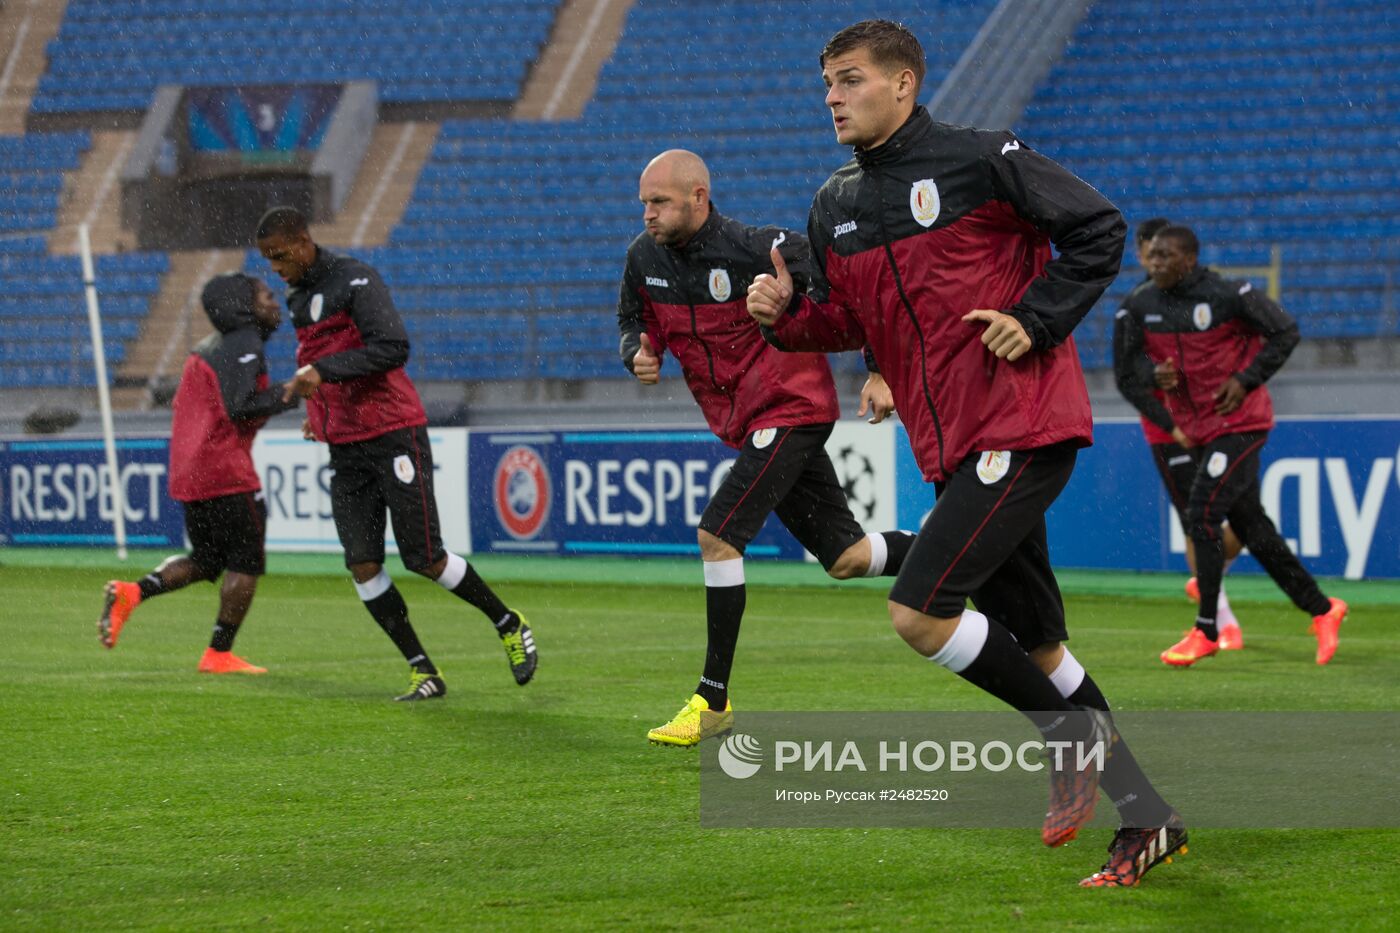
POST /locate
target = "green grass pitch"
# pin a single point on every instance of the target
(135, 793)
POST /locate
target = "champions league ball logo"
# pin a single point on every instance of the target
(521, 492)
(857, 476)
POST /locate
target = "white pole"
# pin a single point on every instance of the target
(104, 396)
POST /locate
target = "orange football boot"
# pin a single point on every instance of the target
(1325, 628)
(121, 597)
(226, 662)
(1190, 649)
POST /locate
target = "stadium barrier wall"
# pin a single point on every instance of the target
(1332, 485)
(641, 491)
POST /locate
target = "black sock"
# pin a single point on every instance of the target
(1210, 570)
(391, 612)
(223, 637)
(152, 585)
(1139, 805)
(897, 545)
(1006, 672)
(474, 590)
(724, 610)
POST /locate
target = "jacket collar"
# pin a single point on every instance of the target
(896, 147)
(319, 268)
(1192, 279)
(706, 231)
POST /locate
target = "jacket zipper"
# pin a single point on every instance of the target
(1185, 388)
(710, 360)
(325, 414)
(913, 319)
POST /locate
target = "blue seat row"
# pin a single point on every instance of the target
(113, 55)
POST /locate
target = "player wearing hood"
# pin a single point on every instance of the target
(223, 400)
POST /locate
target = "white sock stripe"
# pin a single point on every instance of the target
(965, 644)
(724, 572)
(453, 573)
(879, 554)
(1069, 675)
(375, 587)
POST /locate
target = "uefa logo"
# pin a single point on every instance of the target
(521, 492)
(740, 756)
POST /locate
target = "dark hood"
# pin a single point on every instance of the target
(228, 300)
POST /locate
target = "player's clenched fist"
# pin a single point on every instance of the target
(769, 294)
(646, 364)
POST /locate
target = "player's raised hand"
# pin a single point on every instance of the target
(769, 294)
(876, 396)
(1004, 335)
(646, 364)
(1166, 374)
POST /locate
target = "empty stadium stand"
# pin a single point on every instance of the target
(110, 55)
(1266, 124)
(46, 341)
(1258, 123)
(507, 261)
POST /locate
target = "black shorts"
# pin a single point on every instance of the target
(1226, 481)
(985, 539)
(1177, 466)
(392, 472)
(227, 533)
(787, 471)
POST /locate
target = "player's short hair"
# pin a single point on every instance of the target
(892, 47)
(1183, 236)
(1150, 228)
(282, 221)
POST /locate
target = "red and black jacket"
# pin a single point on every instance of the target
(939, 221)
(692, 301)
(348, 329)
(223, 399)
(1136, 370)
(1214, 328)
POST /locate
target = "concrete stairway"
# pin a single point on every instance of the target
(566, 75)
(383, 186)
(26, 26)
(92, 195)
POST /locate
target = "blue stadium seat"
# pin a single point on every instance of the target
(46, 340)
(516, 231)
(415, 50)
(1258, 123)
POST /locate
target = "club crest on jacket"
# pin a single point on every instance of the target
(1200, 316)
(719, 284)
(924, 201)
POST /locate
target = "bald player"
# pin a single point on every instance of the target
(683, 291)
